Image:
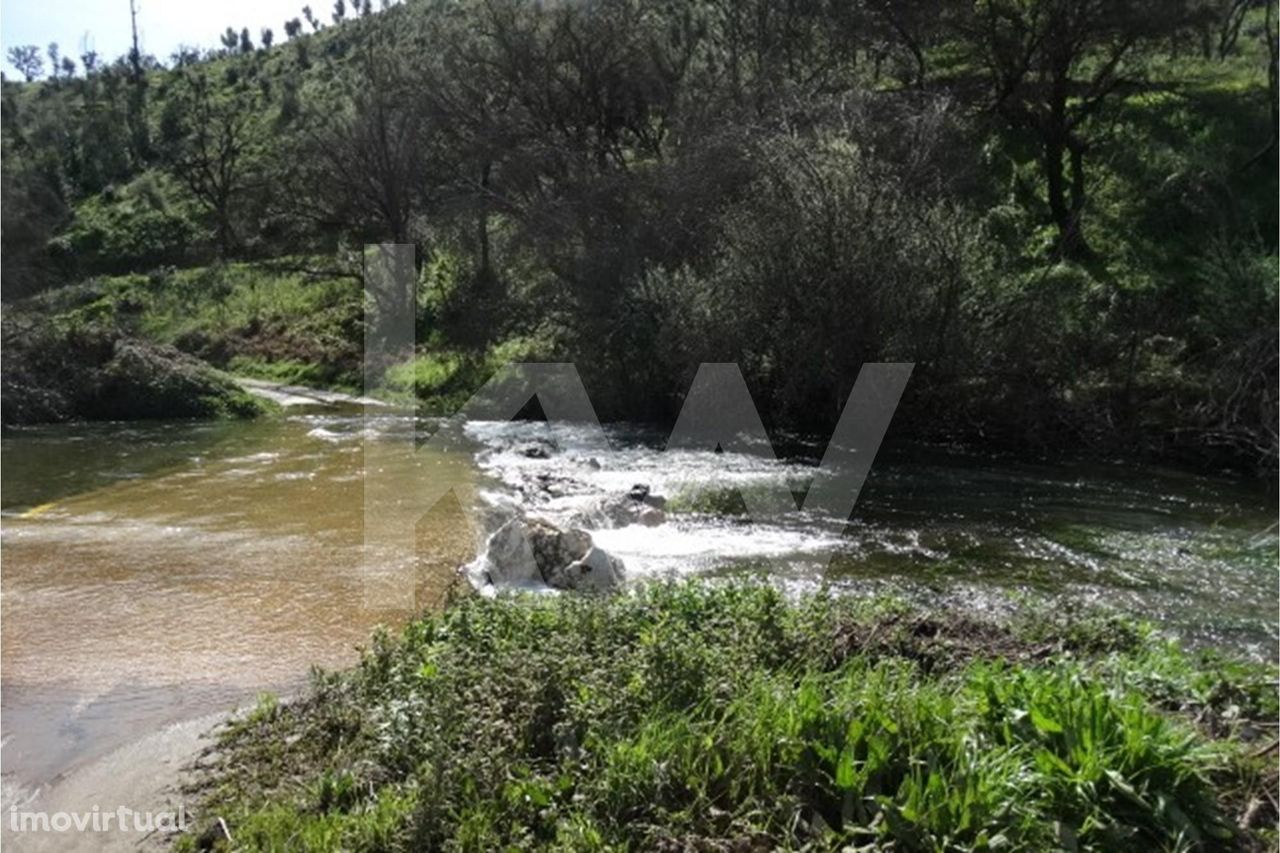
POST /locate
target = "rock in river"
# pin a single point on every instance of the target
(510, 557)
(538, 450)
(525, 551)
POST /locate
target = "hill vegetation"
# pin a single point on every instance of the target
(1063, 211)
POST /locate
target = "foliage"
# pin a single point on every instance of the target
(1063, 211)
(139, 226)
(86, 371)
(443, 380)
(289, 321)
(729, 716)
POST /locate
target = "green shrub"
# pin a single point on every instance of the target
(138, 227)
(695, 716)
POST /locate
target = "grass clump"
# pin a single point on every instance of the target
(440, 380)
(727, 501)
(688, 716)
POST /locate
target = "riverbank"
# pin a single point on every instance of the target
(57, 369)
(143, 776)
(112, 605)
(731, 716)
(299, 321)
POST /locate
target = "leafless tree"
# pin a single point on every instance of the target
(210, 154)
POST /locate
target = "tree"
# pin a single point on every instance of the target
(89, 61)
(312, 19)
(26, 58)
(1219, 23)
(1053, 67)
(209, 147)
(339, 11)
(135, 52)
(230, 40)
(912, 25)
(267, 37)
(139, 131)
(68, 67)
(246, 41)
(362, 169)
(184, 56)
(55, 59)
(292, 27)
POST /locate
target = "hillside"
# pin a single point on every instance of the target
(1063, 212)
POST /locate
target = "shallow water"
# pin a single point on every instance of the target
(155, 573)
(1195, 553)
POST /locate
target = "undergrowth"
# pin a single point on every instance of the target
(693, 716)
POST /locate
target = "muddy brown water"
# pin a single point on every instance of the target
(153, 573)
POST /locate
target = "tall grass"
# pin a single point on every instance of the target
(728, 717)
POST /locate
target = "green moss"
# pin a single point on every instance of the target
(708, 501)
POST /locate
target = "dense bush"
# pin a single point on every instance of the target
(138, 227)
(93, 372)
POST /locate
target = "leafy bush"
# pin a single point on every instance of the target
(138, 227)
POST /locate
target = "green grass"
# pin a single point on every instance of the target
(291, 372)
(691, 716)
(711, 500)
(441, 380)
(260, 320)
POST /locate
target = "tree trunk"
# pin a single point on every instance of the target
(1076, 243)
(1054, 150)
(224, 236)
(482, 222)
(1066, 194)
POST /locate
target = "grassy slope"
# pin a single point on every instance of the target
(294, 319)
(1184, 266)
(297, 320)
(693, 717)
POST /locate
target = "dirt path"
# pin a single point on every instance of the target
(291, 396)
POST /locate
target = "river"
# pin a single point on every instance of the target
(157, 573)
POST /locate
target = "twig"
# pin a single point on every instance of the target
(1258, 753)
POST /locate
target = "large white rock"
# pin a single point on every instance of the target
(528, 551)
(598, 571)
(509, 557)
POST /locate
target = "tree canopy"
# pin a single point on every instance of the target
(1064, 211)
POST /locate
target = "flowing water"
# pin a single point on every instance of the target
(153, 573)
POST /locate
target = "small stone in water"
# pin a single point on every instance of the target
(536, 451)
